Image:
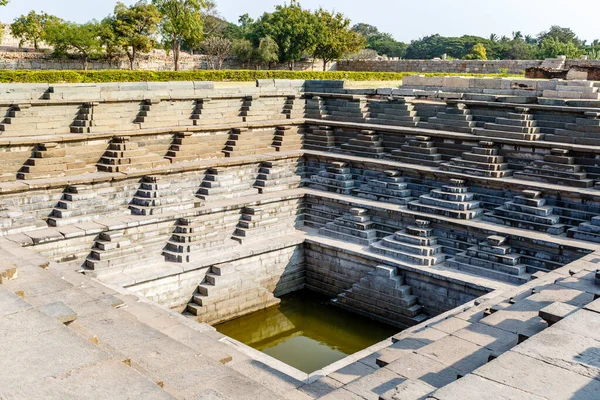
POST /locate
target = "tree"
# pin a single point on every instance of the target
(108, 39)
(68, 37)
(382, 43)
(31, 28)
(553, 47)
(243, 51)
(562, 35)
(3, 2)
(478, 52)
(135, 28)
(267, 52)
(182, 21)
(334, 39)
(292, 28)
(218, 48)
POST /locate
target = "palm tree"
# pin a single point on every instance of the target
(493, 37)
(517, 35)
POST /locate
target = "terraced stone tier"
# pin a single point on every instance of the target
(392, 111)
(589, 231)
(492, 258)
(50, 161)
(456, 117)
(453, 200)
(155, 197)
(123, 155)
(557, 168)
(218, 111)
(355, 227)
(528, 211)
(390, 188)
(519, 125)
(418, 150)
(416, 245)
(275, 176)
(321, 138)
(228, 183)
(288, 138)
(188, 146)
(336, 178)
(483, 160)
(385, 295)
(366, 144)
(261, 222)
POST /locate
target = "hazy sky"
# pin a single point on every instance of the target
(404, 19)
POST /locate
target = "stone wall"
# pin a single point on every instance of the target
(440, 66)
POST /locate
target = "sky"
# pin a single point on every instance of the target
(405, 20)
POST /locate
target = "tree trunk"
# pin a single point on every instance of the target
(176, 50)
(85, 63)
(324, 65)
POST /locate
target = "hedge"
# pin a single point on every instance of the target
(56, 76)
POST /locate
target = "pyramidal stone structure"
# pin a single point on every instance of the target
(135, 217)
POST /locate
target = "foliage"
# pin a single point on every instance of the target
(68, 37)
(3, 2)
(29, 76)
(243, 50)
(560, 34)
(182, 21)
(135, 28)
(218, 48)
(593, 53)
(382, 43)
(291, 27)
(31, 27)
(478, 52)
(267, 52)
(552, 47)
(334, 39)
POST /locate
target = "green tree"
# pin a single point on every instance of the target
(382, 43)
(182, 21)
(292, 28)
(31, 28)
(135, 28)
(334, 39)
(67, 37)
(554, 47)
(562, 35)
(478, 52)
(109, 41)
(3, 2)
(267, 52)
(243, 51)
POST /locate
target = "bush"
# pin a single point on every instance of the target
(27, 76)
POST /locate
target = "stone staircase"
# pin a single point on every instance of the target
(166, 113)
(321, 138)
(116, 251)
(419, 150)
(492, 258)
(258, 223)
(80, 204)
(453, 200)
(50, 161)
(557, 168)
(107, 117)
(527, 211)
(589, 231)
(389, 188)
(316, 107)
(261, 108)
(13, 220)
(347, 110)
(189, 146)
(456, 117)
(354, 227)
(415, 245)
(158, 197)
(383, 294)
(28, 120)
(288, 138)
(195, 238)
(584, 131)
(336, 178)
(245, 142)
(276, 176)
(123, 155)
(573, 89)
(295, 107)
(227, 183)
(218, 299)
(482, 160)
(392, 111)
(520, 125)
(218, 111)
(366, 144)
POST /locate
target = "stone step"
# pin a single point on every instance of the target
(497, 275)
(407, 257)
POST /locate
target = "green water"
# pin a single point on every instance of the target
(306, 331)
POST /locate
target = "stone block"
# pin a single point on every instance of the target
(59, 311)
